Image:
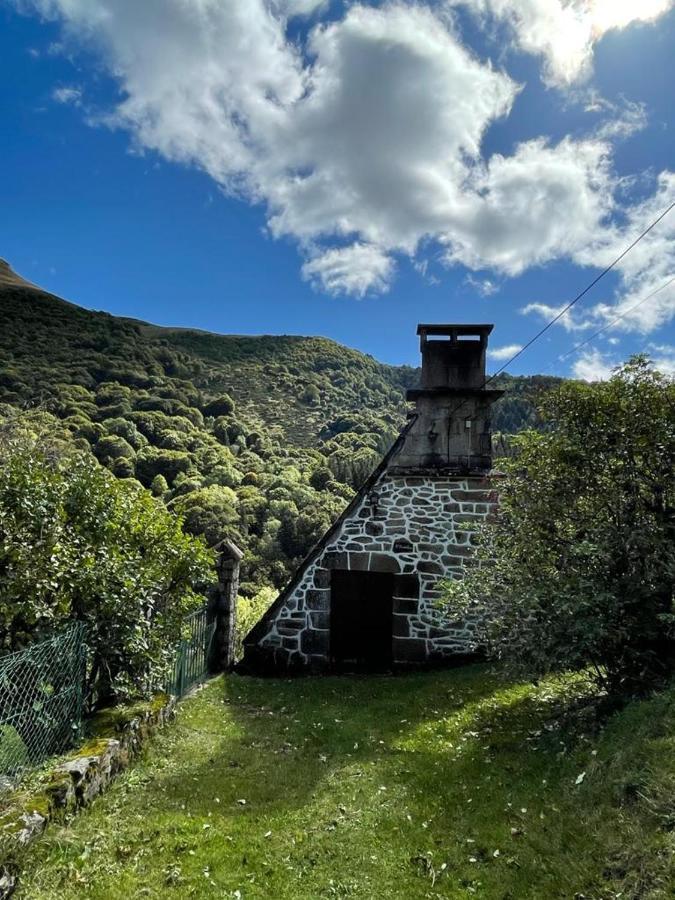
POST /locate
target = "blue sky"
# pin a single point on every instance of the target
(288, 166)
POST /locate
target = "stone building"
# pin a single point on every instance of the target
(365, 597)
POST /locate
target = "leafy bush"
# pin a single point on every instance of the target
(249, 611)
(579, 566)
(221, 406)
(78, 544)
(169, 463)
(13, 751)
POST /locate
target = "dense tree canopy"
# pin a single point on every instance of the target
(290, 425)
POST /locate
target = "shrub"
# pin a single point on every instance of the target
(579, 565)
(249, 611)
(77, 544)
(159, 487)
(221, 406)
(110, 447)
(321, 478)
(169, 463)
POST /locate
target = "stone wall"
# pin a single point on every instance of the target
(121, 734)
(418, 527)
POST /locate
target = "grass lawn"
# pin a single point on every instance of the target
(446, 784)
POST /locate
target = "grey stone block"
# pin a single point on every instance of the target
(317, 600)
(409, 650)
(405, 605)
(320, 619)
(322, 578)
(380, 562)
(431, 568)
(402, 545)
(333, 560)
(359, 562)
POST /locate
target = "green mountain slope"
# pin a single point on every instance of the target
(261, 438)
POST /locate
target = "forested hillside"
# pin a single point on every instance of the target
(262, 439)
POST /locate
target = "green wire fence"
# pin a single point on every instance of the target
(41, 701)
(42, 692)
(191, 663)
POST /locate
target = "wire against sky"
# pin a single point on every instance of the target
(623, 315)
(580, 295)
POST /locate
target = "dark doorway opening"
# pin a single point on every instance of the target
(361, 620)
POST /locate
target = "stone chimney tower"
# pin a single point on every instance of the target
(451, 432)
(366, 597)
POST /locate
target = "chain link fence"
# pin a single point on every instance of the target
(41, 702)
(42, 692)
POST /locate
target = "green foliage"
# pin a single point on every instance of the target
(13, 751)
(220, 406)
(295, 421)
(112, 447)
(249, 611)
(579, 566)
(159, 486)
(208, 510)
(168, 463)
(78, 544)
(321, 478)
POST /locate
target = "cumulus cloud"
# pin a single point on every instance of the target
(564, 32)
(503, 353)
(593, 365)
(539, 204)
(352, 270)
(663, 358)
(300, 7)
(366, 140)
(646, 272)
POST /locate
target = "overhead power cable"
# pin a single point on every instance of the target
(623, 315)
(572, 302)
(578, 297)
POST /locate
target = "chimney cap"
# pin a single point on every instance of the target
(460, 328)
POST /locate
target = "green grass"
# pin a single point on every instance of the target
(447, 784)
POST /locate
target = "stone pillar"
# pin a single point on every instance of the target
(224, 605)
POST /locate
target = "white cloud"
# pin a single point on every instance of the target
(593, 365)
(663, 357)
(366, 141)
(503, 353)
(67, 95)
(645, 298)
(486, 287)
(352, 270)
(564, 32)
(624, 119)
(569, 320)
(542, 203)
(300, 7)
(394, 106)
